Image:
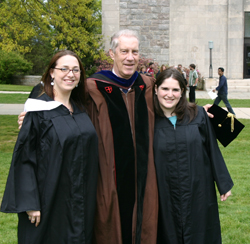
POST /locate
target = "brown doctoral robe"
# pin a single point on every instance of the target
(108, 221)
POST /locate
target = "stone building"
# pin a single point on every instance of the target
(179, 31)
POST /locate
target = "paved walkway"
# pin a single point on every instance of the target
(14, 92)
(242, 113)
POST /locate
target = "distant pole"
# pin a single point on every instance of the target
(210, 45)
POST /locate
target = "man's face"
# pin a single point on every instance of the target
(179, 66)
(220, 73)
(191, 68)
(126, 56)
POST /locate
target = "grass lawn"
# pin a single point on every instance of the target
(8, 135)
(13, 98)
(235, 103)
(5, 87)
(21, 98)
(234, 213)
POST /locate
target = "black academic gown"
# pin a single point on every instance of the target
(54, 169)
(188, 162)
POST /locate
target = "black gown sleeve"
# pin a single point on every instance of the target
(220, 172)
(21, 192)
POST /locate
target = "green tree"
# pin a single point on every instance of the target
(64, 24)
(77, 26)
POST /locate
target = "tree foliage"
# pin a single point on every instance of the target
(40, 55)
(64, 24)
(77, 25)
(19, 22)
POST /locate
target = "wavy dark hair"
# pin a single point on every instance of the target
(78, 93)
(183, 108)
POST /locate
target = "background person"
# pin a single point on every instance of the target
(192, 82)
(150, 69)
(53, 174)
(163, 67)
(188, 162)
(222, 91)
(143, 69)
(182, 73)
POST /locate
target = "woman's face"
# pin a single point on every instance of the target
(163, 67)
(66, 81)
(143, 69)
(168, 94)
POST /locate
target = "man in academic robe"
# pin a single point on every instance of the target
(120, 106)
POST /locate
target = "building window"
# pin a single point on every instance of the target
(247, 24)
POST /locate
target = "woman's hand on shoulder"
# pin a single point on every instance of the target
(20, 119)
(34, 217)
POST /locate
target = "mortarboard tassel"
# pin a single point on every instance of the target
(229, 115)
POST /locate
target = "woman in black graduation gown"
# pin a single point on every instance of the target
(188, 162)
(53, 174)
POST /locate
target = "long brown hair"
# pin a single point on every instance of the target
(78, 93)
(183, 108)
(163, 65)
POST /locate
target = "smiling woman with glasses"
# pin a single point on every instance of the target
(53, 174)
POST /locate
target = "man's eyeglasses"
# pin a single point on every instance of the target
(67, 70)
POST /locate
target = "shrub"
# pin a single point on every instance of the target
(12, 63)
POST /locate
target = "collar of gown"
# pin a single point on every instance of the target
(120, 81)
(40, 105)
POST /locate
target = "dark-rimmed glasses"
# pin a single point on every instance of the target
(67, 70)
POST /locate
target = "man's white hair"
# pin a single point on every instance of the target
(126, 32)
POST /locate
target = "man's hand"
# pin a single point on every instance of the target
(206, 107)
(20, 119)
(34, 217)
(225, 196)
(214, 90)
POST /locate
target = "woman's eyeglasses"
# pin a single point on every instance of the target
(67, 70)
